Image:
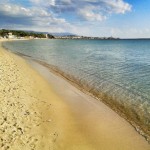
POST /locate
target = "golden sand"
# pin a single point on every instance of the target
(37, 116)
(30, 112)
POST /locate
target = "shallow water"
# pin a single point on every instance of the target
(117, 71)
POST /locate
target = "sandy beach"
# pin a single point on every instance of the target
(41, 111)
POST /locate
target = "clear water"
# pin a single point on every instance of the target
(117, 71)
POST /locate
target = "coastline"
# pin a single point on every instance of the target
(61, 74)
(76, 84)
(79, 121)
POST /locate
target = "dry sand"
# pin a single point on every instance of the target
(31, 114)
(50, 114)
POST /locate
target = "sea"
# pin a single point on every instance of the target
(116, 72)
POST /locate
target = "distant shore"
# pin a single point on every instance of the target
(40, 110)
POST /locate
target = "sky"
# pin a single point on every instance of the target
(102, 18)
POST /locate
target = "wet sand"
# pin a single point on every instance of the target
(40, 110)
(103, 127)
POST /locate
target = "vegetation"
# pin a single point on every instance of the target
(17, 33)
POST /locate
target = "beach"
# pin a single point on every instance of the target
(41, 110)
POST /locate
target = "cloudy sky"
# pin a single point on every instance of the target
(118, 18)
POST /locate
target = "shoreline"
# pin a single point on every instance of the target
(61, 74)
(95, 126)
(81, 90)
(76, 85)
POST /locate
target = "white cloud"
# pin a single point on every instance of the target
(117, 6)
(14, 10)
(43, 2)
(88, 14)
(20, 11)
(37, 15)
(90, 10)
(113, 6)
(100, 9)
(52, 15)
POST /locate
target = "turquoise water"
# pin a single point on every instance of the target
(116, 71)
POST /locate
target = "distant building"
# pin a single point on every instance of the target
(31, 37)
(11, 36)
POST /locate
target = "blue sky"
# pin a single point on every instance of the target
(118, 18)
